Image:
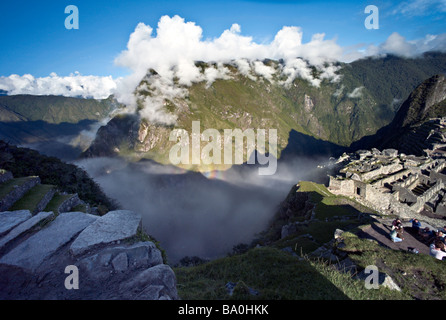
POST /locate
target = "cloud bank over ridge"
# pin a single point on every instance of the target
(74, 85)
(174, 47)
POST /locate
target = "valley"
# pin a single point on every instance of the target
(214, 224)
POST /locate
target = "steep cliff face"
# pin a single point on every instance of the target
(120, 134)
(410, 130)
(423, 103)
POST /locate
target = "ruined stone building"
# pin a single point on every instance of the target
(394, 183)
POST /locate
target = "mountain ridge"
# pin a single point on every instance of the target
(411, 122)
(337, 112)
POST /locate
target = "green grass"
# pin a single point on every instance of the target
(79, 208)
(419, 276)
(331, 212)
(279, 275)
(276, 275)
(321, 231)
(57, 200)
(299, 244)
(32, 198)
(8, 186)
(329, 205)
(68, 178)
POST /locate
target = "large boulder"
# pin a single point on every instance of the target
(383, 280)
(11, 219)
(24, 227)
(33, 251)
(121, 259)
(113, 227)
(156, 283)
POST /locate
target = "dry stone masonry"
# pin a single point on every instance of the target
(395, 183)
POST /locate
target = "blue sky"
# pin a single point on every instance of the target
(34, 39)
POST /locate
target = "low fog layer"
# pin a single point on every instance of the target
(192, 215)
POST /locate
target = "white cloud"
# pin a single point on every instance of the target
(420, 7)
(263, 70)
(178, 44)
(173, 50)
(339, 91)
(398, 45)
(213, 73)
(244, 67)
(356, 93)
(75, 85)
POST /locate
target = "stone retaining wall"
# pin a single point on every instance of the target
(5, 176)
(45, 200)
(383, 170)
(17, 193)
(70, 203)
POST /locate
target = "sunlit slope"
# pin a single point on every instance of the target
(360, 102)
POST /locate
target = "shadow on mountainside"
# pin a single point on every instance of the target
(47, 138)
(300, 144)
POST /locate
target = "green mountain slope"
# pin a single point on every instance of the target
(361, 102)
(410, 129)
(53, 109)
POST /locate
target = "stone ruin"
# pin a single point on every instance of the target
(395, 183)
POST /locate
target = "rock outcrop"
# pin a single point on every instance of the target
(112, 257)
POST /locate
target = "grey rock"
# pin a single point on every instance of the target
(383, 279)
(288, 229)
(390, 152)
(114, 226)
(32, 252)
(45, 200)
(97, 267)
(5, 176)
(230, 286)
(17, 192)
(105, 258)
(144, 254)
(120, 262)
(153, 283)
(325, 253)
(10, 219)
(346, 265)
(338, 233)
(24, 227)
(70, 203)
(291, 251)
(140, 255)
(151, 293)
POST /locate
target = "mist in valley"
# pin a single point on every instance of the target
(195, 214)
(190, 213)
